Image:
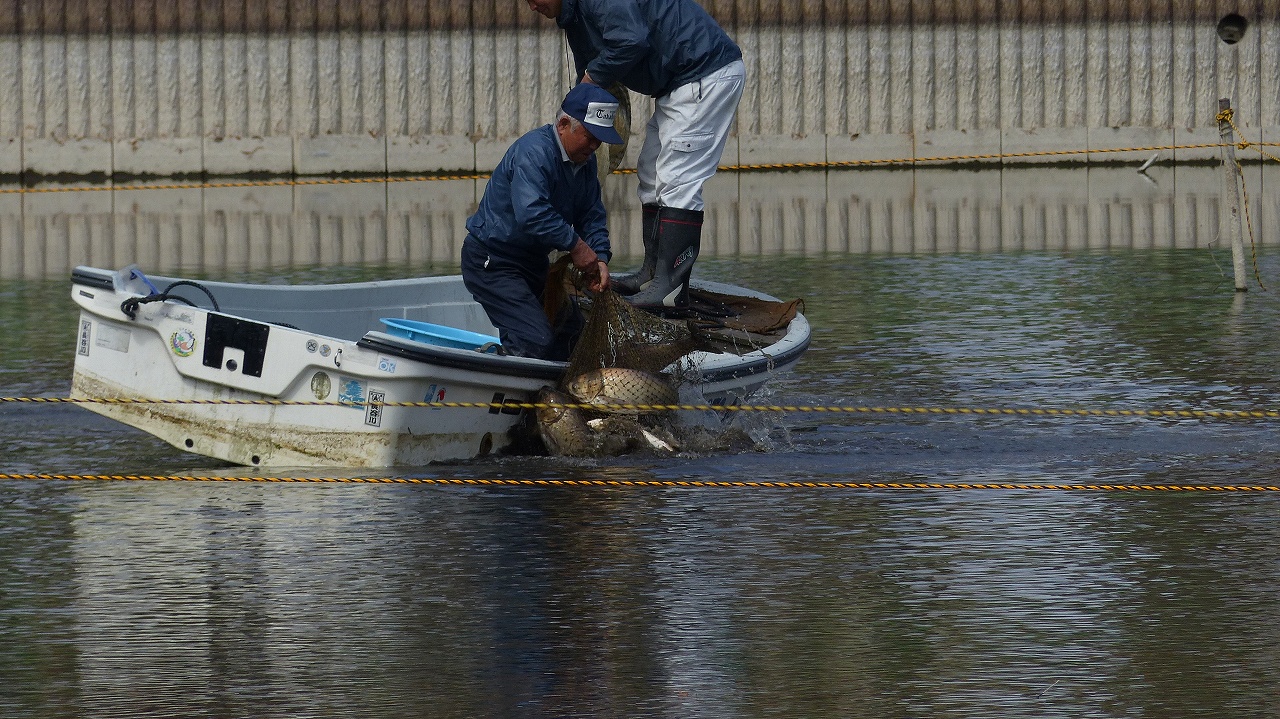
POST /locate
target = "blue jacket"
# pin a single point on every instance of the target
(650, 46)
(535, 202)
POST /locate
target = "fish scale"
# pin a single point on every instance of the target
(616, 385)
(564, 431)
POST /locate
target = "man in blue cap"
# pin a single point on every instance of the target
(673, 51)
(543, 196)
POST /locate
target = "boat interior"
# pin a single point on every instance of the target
(734, 320)
(346, 311)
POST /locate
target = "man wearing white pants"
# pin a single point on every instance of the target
(673, 51)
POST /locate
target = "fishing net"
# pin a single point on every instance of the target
(618, 334)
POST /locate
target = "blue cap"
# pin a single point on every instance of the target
(595, 107)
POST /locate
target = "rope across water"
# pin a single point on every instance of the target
(650, 483)
(777, 166)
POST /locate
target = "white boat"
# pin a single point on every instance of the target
(190, 362)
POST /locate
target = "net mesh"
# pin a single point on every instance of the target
(619, 335)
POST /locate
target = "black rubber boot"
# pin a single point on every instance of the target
(679, 236)
(630, 283)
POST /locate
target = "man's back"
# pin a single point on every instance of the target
(536, 202)
(650, 46)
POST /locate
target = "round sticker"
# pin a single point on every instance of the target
(183, 343)
(321, 385)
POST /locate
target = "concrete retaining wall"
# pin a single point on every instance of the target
(225, 87)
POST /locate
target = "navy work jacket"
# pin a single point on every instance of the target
(535, 202)
(650, 46)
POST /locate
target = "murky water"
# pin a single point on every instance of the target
(262, 600)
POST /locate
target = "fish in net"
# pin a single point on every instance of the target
(619, 335)
(630, 356)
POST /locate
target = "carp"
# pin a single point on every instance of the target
(563, 429)
(615, 385)
(567, 433)
(635, 435)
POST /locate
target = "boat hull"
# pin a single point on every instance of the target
(244, 390)
(302, 436)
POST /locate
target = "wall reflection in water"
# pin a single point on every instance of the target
(555, 603)
(227, 229)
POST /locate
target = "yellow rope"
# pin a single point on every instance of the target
(651, 483)
(823, 165)
(1248, 221)
(962, 158)
(290, 182)
(832, 409)
(1228, 116)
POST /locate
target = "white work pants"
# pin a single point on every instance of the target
(685, 138)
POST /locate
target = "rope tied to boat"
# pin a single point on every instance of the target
(130, 306)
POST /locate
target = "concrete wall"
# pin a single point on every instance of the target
(223, 87)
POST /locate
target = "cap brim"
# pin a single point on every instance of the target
(607, 135)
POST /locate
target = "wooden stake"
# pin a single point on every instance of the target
(1231, 195)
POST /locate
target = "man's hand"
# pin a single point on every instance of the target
(601, 282)
(586, 77)
(591, 266)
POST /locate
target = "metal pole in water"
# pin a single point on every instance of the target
(1231, 193)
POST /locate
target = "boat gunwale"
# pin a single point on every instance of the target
(708, 366)
(543, 369)
(454, 358)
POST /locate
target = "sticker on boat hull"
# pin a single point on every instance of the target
(351, 392)
(373, 412)
(113, 338)
(321, 385)
(182, 342)
(82, 347)
(435, 393)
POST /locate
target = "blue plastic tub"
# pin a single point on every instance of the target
(439, 335)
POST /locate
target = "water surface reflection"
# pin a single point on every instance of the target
(383, 601)
(268, 600)
(220, 230)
